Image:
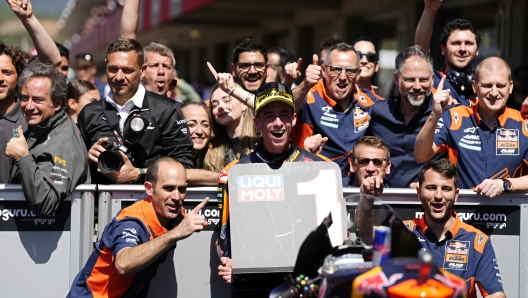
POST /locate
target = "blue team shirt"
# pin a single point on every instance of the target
(480, 152)
(466, 97)
(466, 252)
(320, 114)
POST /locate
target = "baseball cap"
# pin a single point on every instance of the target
(83, 60)
(272, 92)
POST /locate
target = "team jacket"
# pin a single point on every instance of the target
(371, 93)
(320, 114)
(132, 226)
(294, 154)
(478, 152)
(466, 252)
(56, 164)
(388, 123)
(167, 133)
(466, 97)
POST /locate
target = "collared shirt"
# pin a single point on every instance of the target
(465, 251)
(480, 152)
(124, 110)
(320, 114)
(388, 123)
(12, 120)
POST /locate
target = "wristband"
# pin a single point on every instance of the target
(141, 177)
(248, 96)
(231, 93)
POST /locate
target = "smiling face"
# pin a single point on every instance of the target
(368, 68)
(460, 49)
(226, 110)
(252, 77)
(415, 81)
(35, 101)
(275, 120)
(8, 79)
(157, 73)
(492, 87)
(124, 75)
(438, 194)
(199, 126)
(340, 85)
(168, 193)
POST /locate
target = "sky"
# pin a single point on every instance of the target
(48, 8)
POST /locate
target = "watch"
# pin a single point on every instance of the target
(141, 177)
(507, 185)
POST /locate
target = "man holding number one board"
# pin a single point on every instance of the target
(139, 238)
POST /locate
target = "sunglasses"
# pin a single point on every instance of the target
(64, 68)
(245, 66)
(371, 57)
(362, 161)
(336, 71)
(87, 57)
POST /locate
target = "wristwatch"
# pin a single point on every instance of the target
(142, 175)
(507, 185)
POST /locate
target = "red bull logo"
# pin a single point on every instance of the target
(260, 188)
(375, 282)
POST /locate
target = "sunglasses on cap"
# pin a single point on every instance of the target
(371, 57)
(87, 57)
(363, 161)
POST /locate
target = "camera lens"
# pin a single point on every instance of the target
(109, 161)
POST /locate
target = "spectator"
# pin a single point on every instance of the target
(50, 158)
(370, 163)
(369, 62)
(249, 67)
(109, 119)
(520, 88)
(64, 65)
(157, 71)
(199, 122)
(140, 236)
(233, 131)
(85, 69)
(273, 74)
(459, 248)
(275, 118)
(459, 44)
(325, 45)
(487, 141)
(399, 120)
(80, 93)
(184, 92)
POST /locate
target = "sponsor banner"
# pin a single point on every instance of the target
(17, 216)
(210, 211)
(492, 220)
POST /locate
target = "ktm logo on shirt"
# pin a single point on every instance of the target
(456, 258)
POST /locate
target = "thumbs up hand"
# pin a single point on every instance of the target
(17, 147)
(313, 72)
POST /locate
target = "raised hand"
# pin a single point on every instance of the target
(193, 222)
(315, 143)
(17, 147)
(292, 71)
(224, 80)
(313, 72)
(22, 8)
(441, 98)
(372, 185)
(432, 4)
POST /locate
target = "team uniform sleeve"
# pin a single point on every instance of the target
(441, 135)
(487, 274)
(128, 233)
(175, 139)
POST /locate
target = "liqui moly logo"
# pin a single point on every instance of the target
(260, 188)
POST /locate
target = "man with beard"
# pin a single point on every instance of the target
(487, 142)
(109, 119)
(398, 121)
(457, 247)
(459, 43)
(249, 67)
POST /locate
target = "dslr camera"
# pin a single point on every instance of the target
(111, 160)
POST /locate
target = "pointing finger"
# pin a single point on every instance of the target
(441, 84)
(199, 207)
(212, 70)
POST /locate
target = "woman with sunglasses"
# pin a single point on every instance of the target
(369, 64)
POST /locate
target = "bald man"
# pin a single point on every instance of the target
(486, 142)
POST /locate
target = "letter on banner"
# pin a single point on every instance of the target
(324, 188)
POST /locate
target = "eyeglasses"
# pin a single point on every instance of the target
(245, 66)
(371, 57)
(64, 68)
(335, 71)
(362, 161)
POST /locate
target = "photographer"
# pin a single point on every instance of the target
(108, 123)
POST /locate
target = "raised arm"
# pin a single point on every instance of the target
(313, 73)
(44, 44)
(228, 85)
(130, 19)
(424, 31)
(130, 260)
(425, 148)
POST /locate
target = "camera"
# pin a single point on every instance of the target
(111, 160)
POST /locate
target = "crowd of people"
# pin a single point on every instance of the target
(56, 134)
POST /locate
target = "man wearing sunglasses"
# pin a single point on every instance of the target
(459, 44)
(249, 67)
(370, 163)
(369, 62)
(331, 108)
